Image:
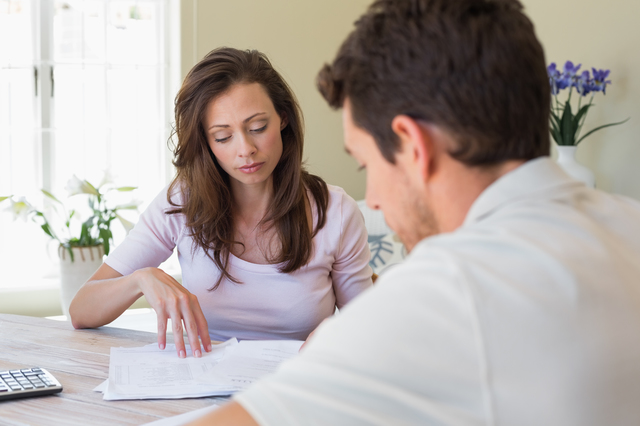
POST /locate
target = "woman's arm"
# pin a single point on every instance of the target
(351, 273)
(108, 294)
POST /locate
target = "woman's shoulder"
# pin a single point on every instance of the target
(168, 198)
(341, 209)
(339, 200)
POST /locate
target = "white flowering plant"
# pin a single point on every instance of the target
(65, 225)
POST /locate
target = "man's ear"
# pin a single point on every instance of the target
(415, 144)
(283, 121)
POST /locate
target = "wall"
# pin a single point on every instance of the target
(300, 36)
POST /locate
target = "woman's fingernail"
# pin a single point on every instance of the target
(209, 348)
(198, 353)
(182, 354)
(161, 346)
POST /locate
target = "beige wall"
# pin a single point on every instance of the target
(299, 36)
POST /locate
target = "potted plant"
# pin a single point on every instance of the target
(566, 125)
(82, 241)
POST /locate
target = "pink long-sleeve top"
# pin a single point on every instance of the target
(267, 304)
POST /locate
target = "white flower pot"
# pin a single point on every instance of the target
(567, 160)
(86, 260)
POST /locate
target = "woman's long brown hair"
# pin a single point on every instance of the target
(207, 201)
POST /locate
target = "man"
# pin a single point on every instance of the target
(520, 300)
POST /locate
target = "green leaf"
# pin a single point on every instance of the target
(555, 119)
(106, 236)
(93, 188)
(555, 128)
(567, 129)
(45, 228)
(4, 198)
(580, 114)
(50, 195)
(126, 188)
(602, 127)
(85, 237)
(126, 207)
(555, 123)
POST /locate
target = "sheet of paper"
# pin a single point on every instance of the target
(182, 419)
(249, 361)
(148, 372)
(102, 386)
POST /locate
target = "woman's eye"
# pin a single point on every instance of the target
(361, 168)
(261, 129)
(222, 139)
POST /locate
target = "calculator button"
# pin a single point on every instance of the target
(36, 370)
(26, 370)
(14, 371)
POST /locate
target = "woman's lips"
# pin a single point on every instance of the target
(251, 168)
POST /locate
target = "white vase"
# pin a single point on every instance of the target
(567, 160)
(86, 260)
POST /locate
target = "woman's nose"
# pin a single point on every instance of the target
(247, 147)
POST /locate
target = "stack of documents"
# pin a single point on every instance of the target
(150, 373)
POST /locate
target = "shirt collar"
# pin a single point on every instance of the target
(538, 176)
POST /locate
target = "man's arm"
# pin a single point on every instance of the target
(229, 414)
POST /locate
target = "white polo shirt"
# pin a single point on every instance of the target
(528, 314)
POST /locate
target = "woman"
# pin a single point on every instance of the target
(267, 250)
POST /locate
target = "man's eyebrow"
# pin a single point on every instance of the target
(246, 120)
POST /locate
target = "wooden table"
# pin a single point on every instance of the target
(79, 359)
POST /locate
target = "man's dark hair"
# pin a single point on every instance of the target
(473, 67)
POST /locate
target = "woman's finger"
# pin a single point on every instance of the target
(191, 326)
(162, 330)
(178, 339)
(203, 327)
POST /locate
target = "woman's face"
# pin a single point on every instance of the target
(243, 131)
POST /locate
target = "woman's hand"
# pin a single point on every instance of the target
(171, 300)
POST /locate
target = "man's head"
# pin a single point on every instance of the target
(470, 73)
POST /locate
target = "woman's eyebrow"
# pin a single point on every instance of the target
(246, 120)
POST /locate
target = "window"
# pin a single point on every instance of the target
(84, 88)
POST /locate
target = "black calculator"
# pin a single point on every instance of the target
(27, 382)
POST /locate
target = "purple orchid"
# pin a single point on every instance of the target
(583, 84)
(554, 75)
(599, 82)
(569, 71)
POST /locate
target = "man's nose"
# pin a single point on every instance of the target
(371, 199)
